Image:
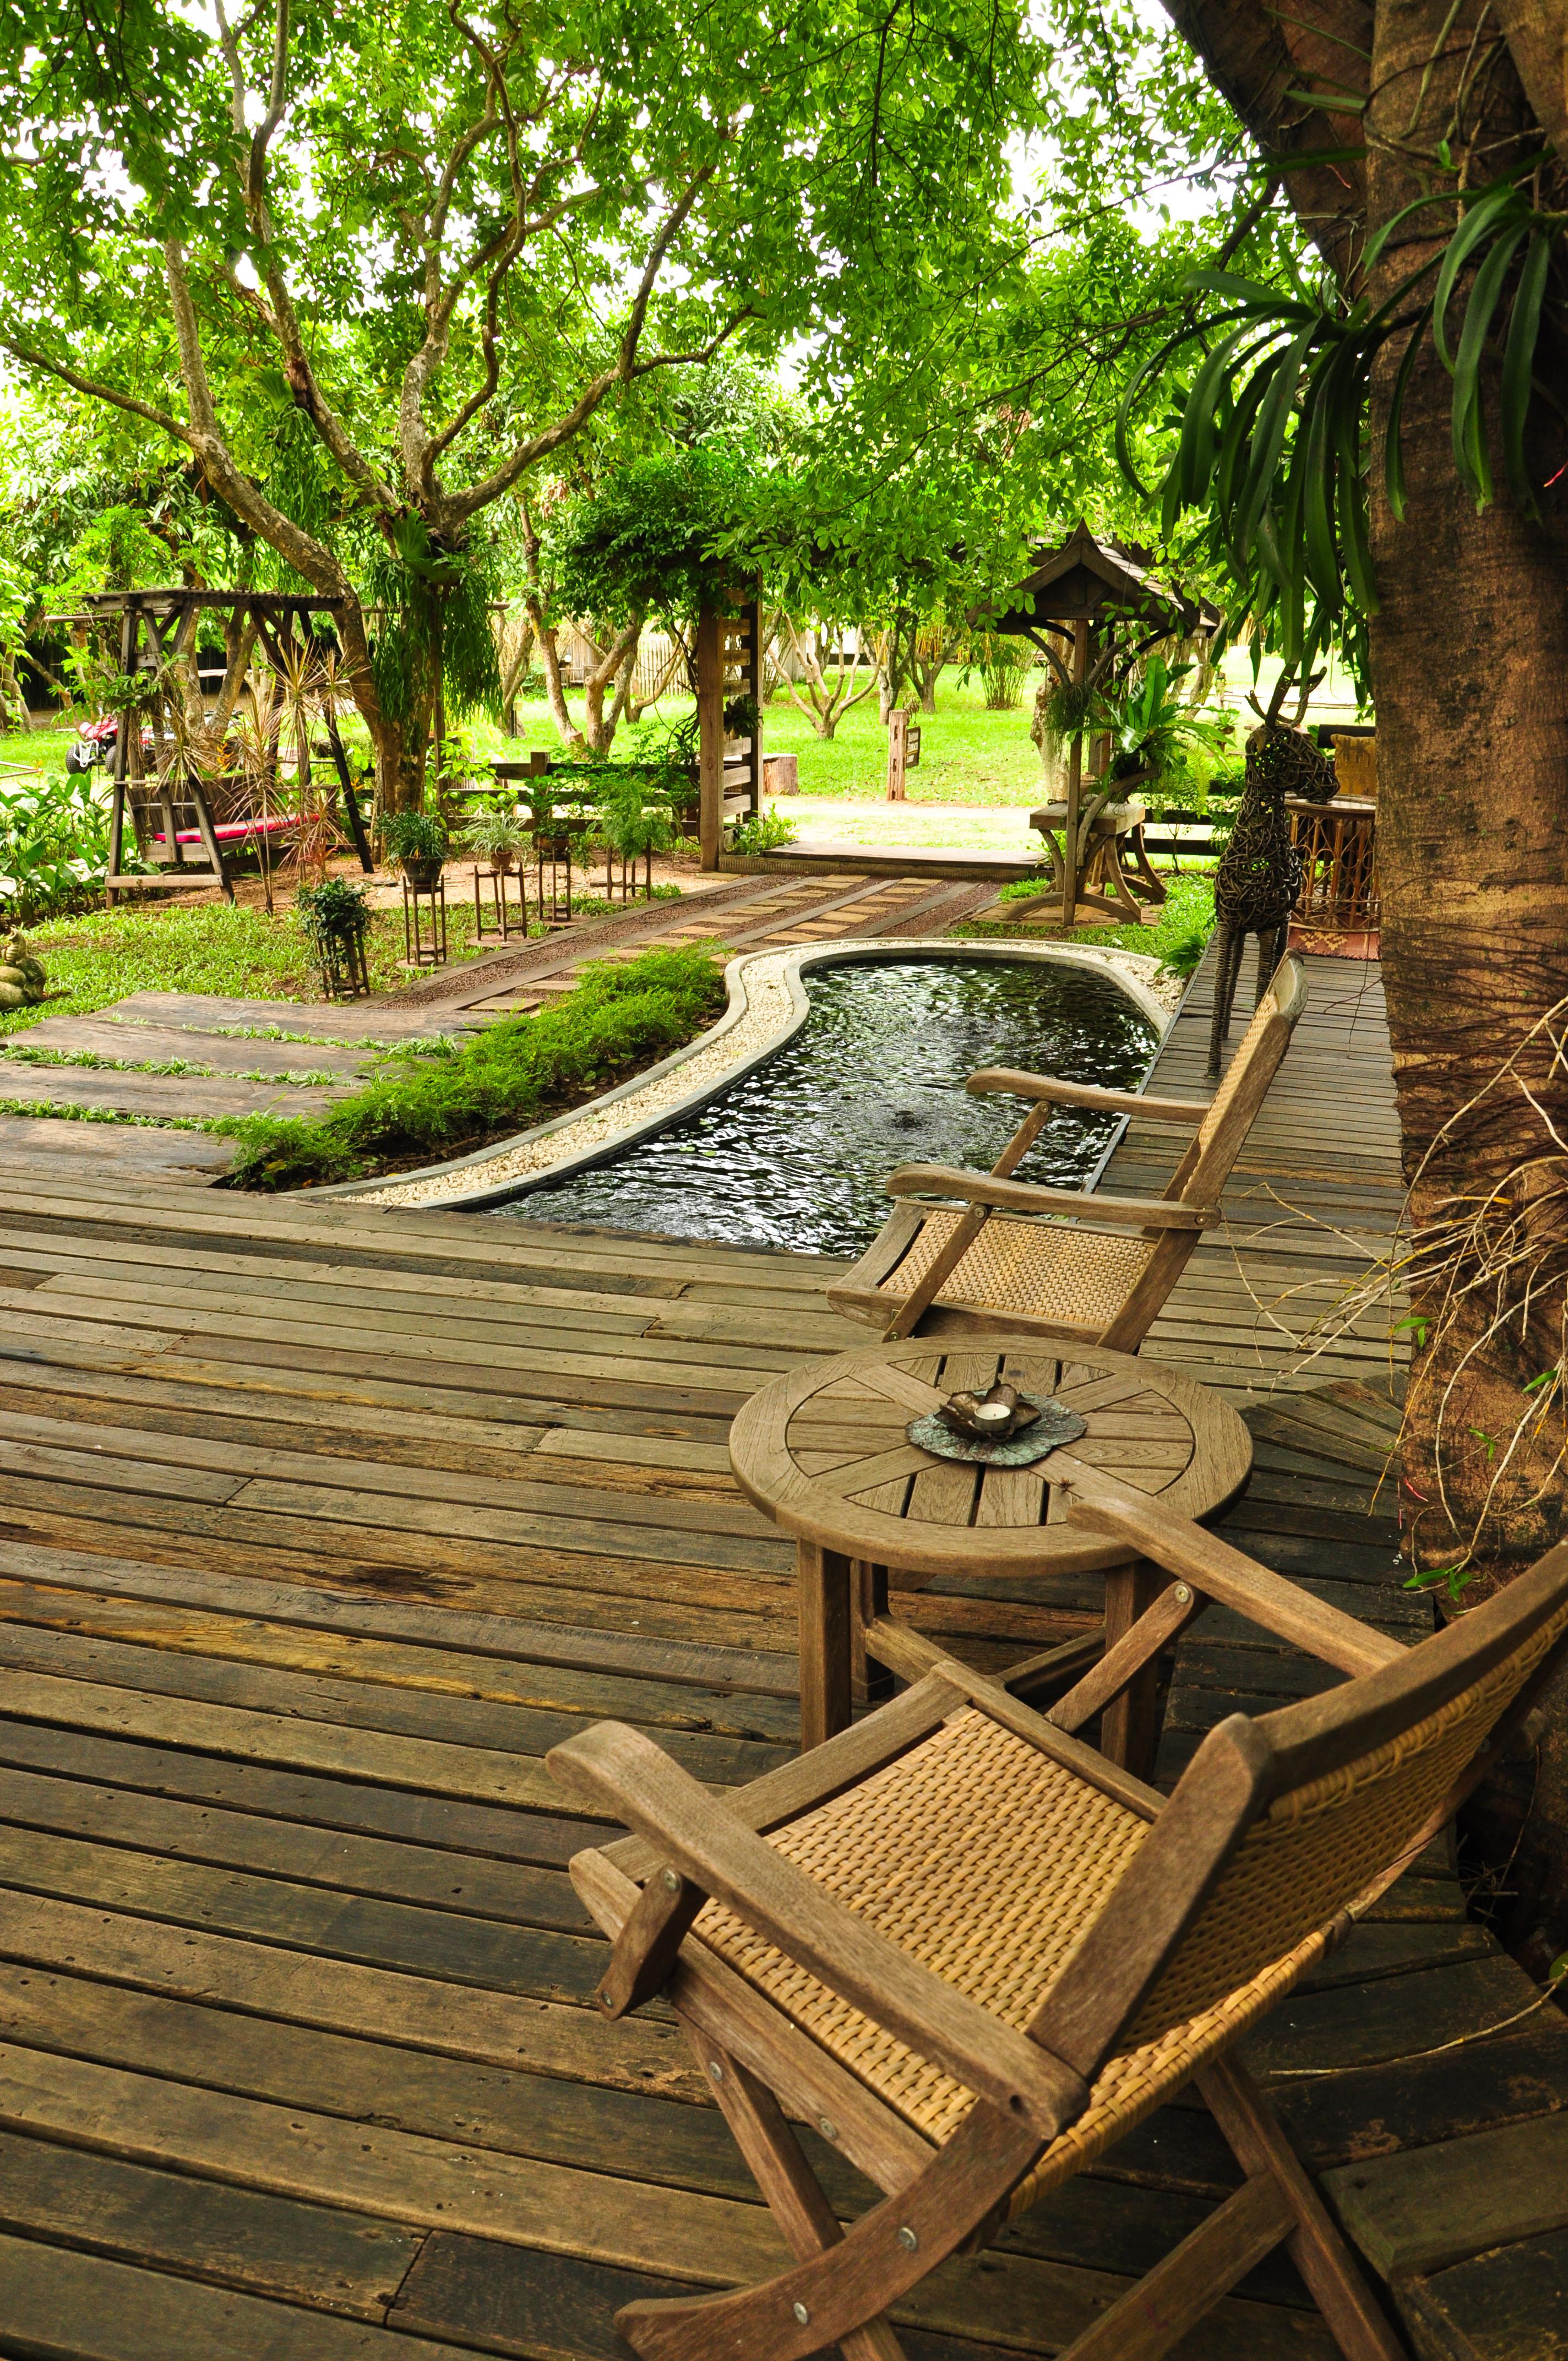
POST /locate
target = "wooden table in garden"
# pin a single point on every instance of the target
(823, 1452)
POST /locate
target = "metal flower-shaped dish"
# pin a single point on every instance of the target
(1005, 1428)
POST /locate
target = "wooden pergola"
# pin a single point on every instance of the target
(1087, 606)
(157, 627)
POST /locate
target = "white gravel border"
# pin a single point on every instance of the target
(768, 1003)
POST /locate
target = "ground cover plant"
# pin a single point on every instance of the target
(619, 1018)
(204, 947)
(1185, 921)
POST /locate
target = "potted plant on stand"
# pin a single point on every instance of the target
(335, 918)
(498, 835)
(634, 822)
(415, 843)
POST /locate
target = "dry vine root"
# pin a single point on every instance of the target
(1483, 1455)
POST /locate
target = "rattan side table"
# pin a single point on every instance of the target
(823, 1452)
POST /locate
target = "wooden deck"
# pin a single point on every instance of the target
(318, 1525)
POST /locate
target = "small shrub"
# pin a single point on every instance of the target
(619, 1018)
(1184, 956)
(764, 831)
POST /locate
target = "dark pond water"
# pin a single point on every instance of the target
(794, 1155)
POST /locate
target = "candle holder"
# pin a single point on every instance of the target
(1004, 1428)
(994, 1417)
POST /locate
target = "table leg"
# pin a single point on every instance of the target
(870, 1682)
(1129, 1729)
(825, 1589)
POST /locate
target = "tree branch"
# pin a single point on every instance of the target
(275, 104)
(465, 504)
(32, 358)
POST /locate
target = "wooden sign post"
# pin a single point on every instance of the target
(903, 752)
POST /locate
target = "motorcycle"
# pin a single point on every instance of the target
(95, 743)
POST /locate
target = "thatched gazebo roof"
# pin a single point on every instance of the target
(1098, 582)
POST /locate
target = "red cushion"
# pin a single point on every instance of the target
(233, 830)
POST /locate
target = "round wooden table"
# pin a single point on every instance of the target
(823, 1452)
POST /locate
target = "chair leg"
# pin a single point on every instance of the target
(1175, 2295)
(778, 2166)
(1336, 2282)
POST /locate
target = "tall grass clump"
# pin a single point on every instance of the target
(618, 1019)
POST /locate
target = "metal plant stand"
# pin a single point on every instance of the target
(620, 880)
(344, 972)
(504, 917)
(425, 924)
(552, 854)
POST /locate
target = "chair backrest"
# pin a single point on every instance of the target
(1278, 1823)
(1206, 1167)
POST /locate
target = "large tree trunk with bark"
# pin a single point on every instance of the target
(1470, 678)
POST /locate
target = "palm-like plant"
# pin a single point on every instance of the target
(1274, 447)
(1150, 723)
(496, 833)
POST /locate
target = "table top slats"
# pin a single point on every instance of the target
(824, 1450)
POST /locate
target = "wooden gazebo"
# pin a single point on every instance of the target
(157, 627)
(1087, 607)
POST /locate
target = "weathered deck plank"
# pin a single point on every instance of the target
(317, 1524)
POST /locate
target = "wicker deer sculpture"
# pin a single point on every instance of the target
(1259, 877)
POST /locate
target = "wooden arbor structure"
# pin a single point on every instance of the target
(1087, 607)
(728, 667)
(158, 629)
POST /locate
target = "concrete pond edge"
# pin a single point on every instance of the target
(768, 1003)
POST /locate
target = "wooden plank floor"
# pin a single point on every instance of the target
(318, 1526)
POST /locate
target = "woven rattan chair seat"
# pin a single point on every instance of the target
(1041, 1269)
(986, 1860)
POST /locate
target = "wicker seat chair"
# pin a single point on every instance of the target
(975, 1954)
(1010, 1262)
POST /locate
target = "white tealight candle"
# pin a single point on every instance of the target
(992, 1409)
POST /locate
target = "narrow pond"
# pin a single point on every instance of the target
(794, 1155)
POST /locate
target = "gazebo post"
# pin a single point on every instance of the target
(710, 737)
(1074, 784)
(129, 619)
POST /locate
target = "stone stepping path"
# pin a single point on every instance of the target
(250, 1068)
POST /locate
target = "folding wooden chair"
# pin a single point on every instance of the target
(975, 1954)
(1104, 1273)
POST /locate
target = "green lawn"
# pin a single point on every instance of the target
(204, 947)
(967, 755)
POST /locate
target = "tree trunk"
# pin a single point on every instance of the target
(1470, 675)
(599, 728)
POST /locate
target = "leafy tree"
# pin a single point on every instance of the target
(376, 271)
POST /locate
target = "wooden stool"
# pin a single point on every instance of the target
(823, 1452)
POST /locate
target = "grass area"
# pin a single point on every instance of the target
(967, 755)
(1186, 920)
(204, 947)
(618, 1019)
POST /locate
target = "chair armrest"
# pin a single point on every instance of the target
(1087, 1094)
(1025, 1197)
(611, 1766)
(1225, 1574)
